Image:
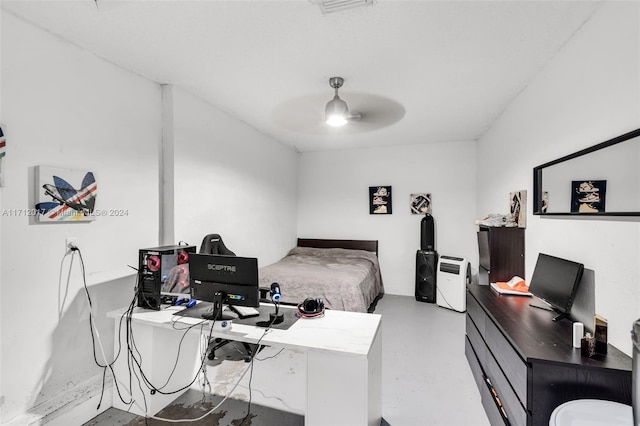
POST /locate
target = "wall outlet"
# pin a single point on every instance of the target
(70, 242)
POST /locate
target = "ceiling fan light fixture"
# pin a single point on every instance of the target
(336, 112)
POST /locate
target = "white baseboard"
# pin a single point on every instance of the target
(74, 406)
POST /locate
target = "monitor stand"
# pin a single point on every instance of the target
(543, 307)
(562, 315)
(549, 308)
(216, 314)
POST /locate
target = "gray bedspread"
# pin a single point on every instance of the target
(347, 280)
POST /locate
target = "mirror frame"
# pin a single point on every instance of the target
(537, 178)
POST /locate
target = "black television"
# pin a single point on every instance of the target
(556, 281)
(223, 279)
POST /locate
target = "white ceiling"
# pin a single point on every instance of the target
(418, 71)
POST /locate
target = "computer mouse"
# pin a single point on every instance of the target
(191, 303)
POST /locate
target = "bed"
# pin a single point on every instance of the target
(345, 274)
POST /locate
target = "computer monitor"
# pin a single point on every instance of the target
(555, 281)
(222, 279)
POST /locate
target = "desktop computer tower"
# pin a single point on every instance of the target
(156, 266)
(426, 275)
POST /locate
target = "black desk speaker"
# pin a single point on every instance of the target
(426, 263)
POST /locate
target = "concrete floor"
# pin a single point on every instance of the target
(425, 379)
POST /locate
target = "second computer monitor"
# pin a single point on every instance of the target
(234, 278)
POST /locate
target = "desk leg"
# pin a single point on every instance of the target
(158, 349)
(344, 389)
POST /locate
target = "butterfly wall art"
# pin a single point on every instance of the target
(65, 195)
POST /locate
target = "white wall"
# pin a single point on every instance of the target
(1, 204)
(333, 202)
(588, 93)
(64, 107)
(233, 181)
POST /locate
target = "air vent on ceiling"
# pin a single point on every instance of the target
(332, 6)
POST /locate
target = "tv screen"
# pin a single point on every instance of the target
(555, 281)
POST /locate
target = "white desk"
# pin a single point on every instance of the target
(343, 361)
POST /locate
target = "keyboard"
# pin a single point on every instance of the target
(245, 311)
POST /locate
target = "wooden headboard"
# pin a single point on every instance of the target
(368, 245)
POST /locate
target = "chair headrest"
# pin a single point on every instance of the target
(213, 244)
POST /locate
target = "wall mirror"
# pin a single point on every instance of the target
(600, 180)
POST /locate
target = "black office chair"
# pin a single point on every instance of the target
(213, 244)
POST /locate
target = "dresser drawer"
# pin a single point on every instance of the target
(476, 340)
(476, 370)
(515, 411)
(476, 313)
(491, 409)
(510, 362)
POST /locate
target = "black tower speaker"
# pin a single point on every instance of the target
(427, 239)
(426, 264)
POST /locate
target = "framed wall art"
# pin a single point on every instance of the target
(380, 200)
(588, 196)
(545, 202)
(518, 207)
(65, 195)
(420, 203)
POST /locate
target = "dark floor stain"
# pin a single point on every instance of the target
(193, 404)
(245, 421)
(181, 411)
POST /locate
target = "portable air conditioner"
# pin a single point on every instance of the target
(451, 283)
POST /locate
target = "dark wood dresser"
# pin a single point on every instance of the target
(525, 365)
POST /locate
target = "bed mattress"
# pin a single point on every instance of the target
(347, 280)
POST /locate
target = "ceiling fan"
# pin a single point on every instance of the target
(304, 114)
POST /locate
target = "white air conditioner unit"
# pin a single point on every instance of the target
(451, 283)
